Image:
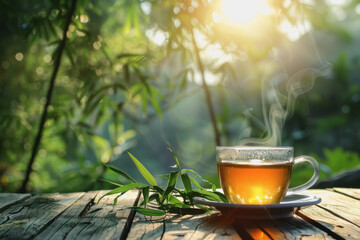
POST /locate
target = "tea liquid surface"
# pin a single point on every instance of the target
(254, 183)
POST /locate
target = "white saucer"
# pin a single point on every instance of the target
(287, 208)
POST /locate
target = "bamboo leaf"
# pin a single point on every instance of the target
(144, 100)
(156, 105)
(118, 171)
(174, 156)
(128, 55)
(149, 212)
(146, 174)
(127, 24)
(113, 183)
(159, 190)
(164, 176)
(156, 92)
(221, 195)
(155, 197)
(177, 202)
(170, 185)
(124, 188)
(193, 180)
(210, 195)
(136, 89)
(199, 177)
(186, 182)
(145, 192)
(188, 211)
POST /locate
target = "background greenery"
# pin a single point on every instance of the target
(132, 79)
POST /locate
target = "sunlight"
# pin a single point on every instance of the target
(295, 32)
(243, 11)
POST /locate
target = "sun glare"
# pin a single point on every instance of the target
(241, 11)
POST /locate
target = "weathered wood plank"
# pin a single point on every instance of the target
(144, 227)
(26, 219)
(332, 222)
(8, 199)
(101, 221)
(339, 205)
(352, 192)
(335, 213)
(215, 226)
(63, 224)
(180, 227)
(292, 228)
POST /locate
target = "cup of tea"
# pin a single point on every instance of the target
(259, 175)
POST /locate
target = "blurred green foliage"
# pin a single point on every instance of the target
(333, 162)
(129, 80)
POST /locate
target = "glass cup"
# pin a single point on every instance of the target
(259, 175)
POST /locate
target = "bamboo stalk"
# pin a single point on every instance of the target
(57, 63)
(207, 92)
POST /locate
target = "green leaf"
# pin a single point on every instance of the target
(174, 156)
(124, 188)
(198, 176)
(144, 100)
(128, 55)
(159, 190)
(135, 90)
(170, 185)
(156, 92)
(181, 193)
(156, 105)
(118, 171)
(145, 192)
(221, 196)
(213, 196)
(214, 188)
(155, 197)
(164, 176)
(177, 202)
(193, 180)
(186, 182)
(146, 174)
(188, 211)
(149, 212)
(113, 183)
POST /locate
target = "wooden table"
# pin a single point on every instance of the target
(75, 216)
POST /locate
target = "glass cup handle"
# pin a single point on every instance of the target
(312, 180)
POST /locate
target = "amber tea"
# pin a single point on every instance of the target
(259, 175)
(254, 184)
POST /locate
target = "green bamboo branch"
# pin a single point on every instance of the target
(57, 63)
(207, 92)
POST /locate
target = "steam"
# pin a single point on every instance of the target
(277, 105)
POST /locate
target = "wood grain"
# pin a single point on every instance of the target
(292, 228)
(330, 213)
(339, 205)
(26, 219)
(8, 199)
(215, 226)
(181, 227)
(351, 192)
(100, 221)
(75, 216)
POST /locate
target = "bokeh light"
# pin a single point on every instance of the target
(244, 11)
